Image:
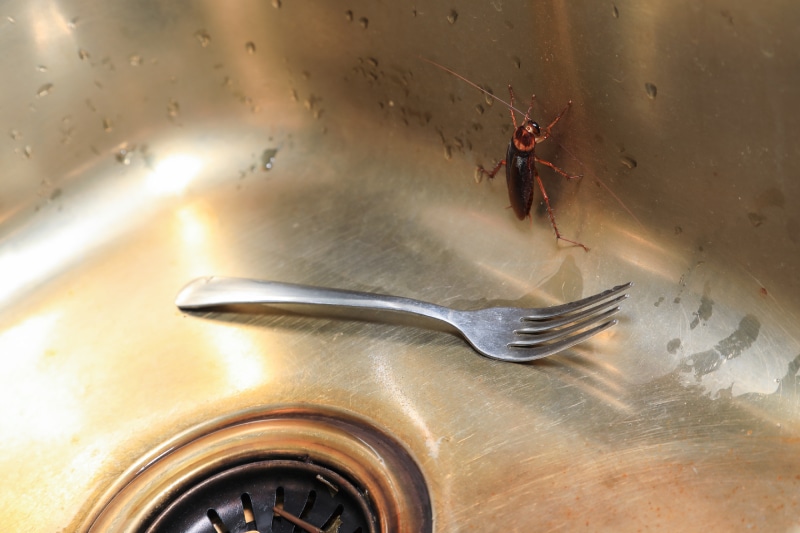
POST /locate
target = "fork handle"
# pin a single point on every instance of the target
(217, 291)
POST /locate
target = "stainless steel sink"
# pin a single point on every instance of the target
(149, 143)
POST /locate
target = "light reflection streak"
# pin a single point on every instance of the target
(193, 229)
(48, 24)
(173, 174)
(37, 404)
(54, 240)
(239, 355)
(385, 377)
(241, 358)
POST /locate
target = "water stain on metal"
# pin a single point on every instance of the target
(706, 308)
(741, 339)
(730, 347)
(789, 384)
(673, 345)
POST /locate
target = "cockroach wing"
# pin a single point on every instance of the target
(519, 177)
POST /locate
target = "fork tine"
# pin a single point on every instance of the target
(534, 338)
(539, 352)
(534, 325)
(577, 305)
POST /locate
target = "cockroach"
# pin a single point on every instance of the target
(520, 161)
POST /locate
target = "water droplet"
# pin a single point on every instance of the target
(72, 23)
(44, 90)
(250, 47)
(107, 125)
(479, 109)
(311, 102)
(364, 22)
(15, 135)
(11, 20)
(348, 15)
(148, 157)
(614, 11)
(448, 152)
(268, 159)
(372, 62)
(27, 151)
(41, 68)
(629, 162)
(756, 219)
(651, 89)
(123, 156)
(517, 62)
(135, 60)
(83, 54)
(276, 4)
(452, 17)
(173, 108)
(294, 96)
(203, 37)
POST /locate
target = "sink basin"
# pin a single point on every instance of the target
(150, 143)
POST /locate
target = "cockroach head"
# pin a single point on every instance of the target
(525, 136)
(532, 128)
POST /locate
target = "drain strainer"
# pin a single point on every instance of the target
(275, 495)
(285, 470)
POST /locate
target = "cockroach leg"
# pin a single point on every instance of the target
(511, 107)
(551, 214)
(551, 165)
(547, 131)
(490, 173)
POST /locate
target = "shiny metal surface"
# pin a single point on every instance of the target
(510, 334)
(148, 143)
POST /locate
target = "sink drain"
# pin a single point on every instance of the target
(275, 495)
(285, 470)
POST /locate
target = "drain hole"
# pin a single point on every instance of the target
(335, 521)
(306, 509)
(216, 521)
(276, 519)
(249, 515)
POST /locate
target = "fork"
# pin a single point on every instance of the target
(505, 333)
